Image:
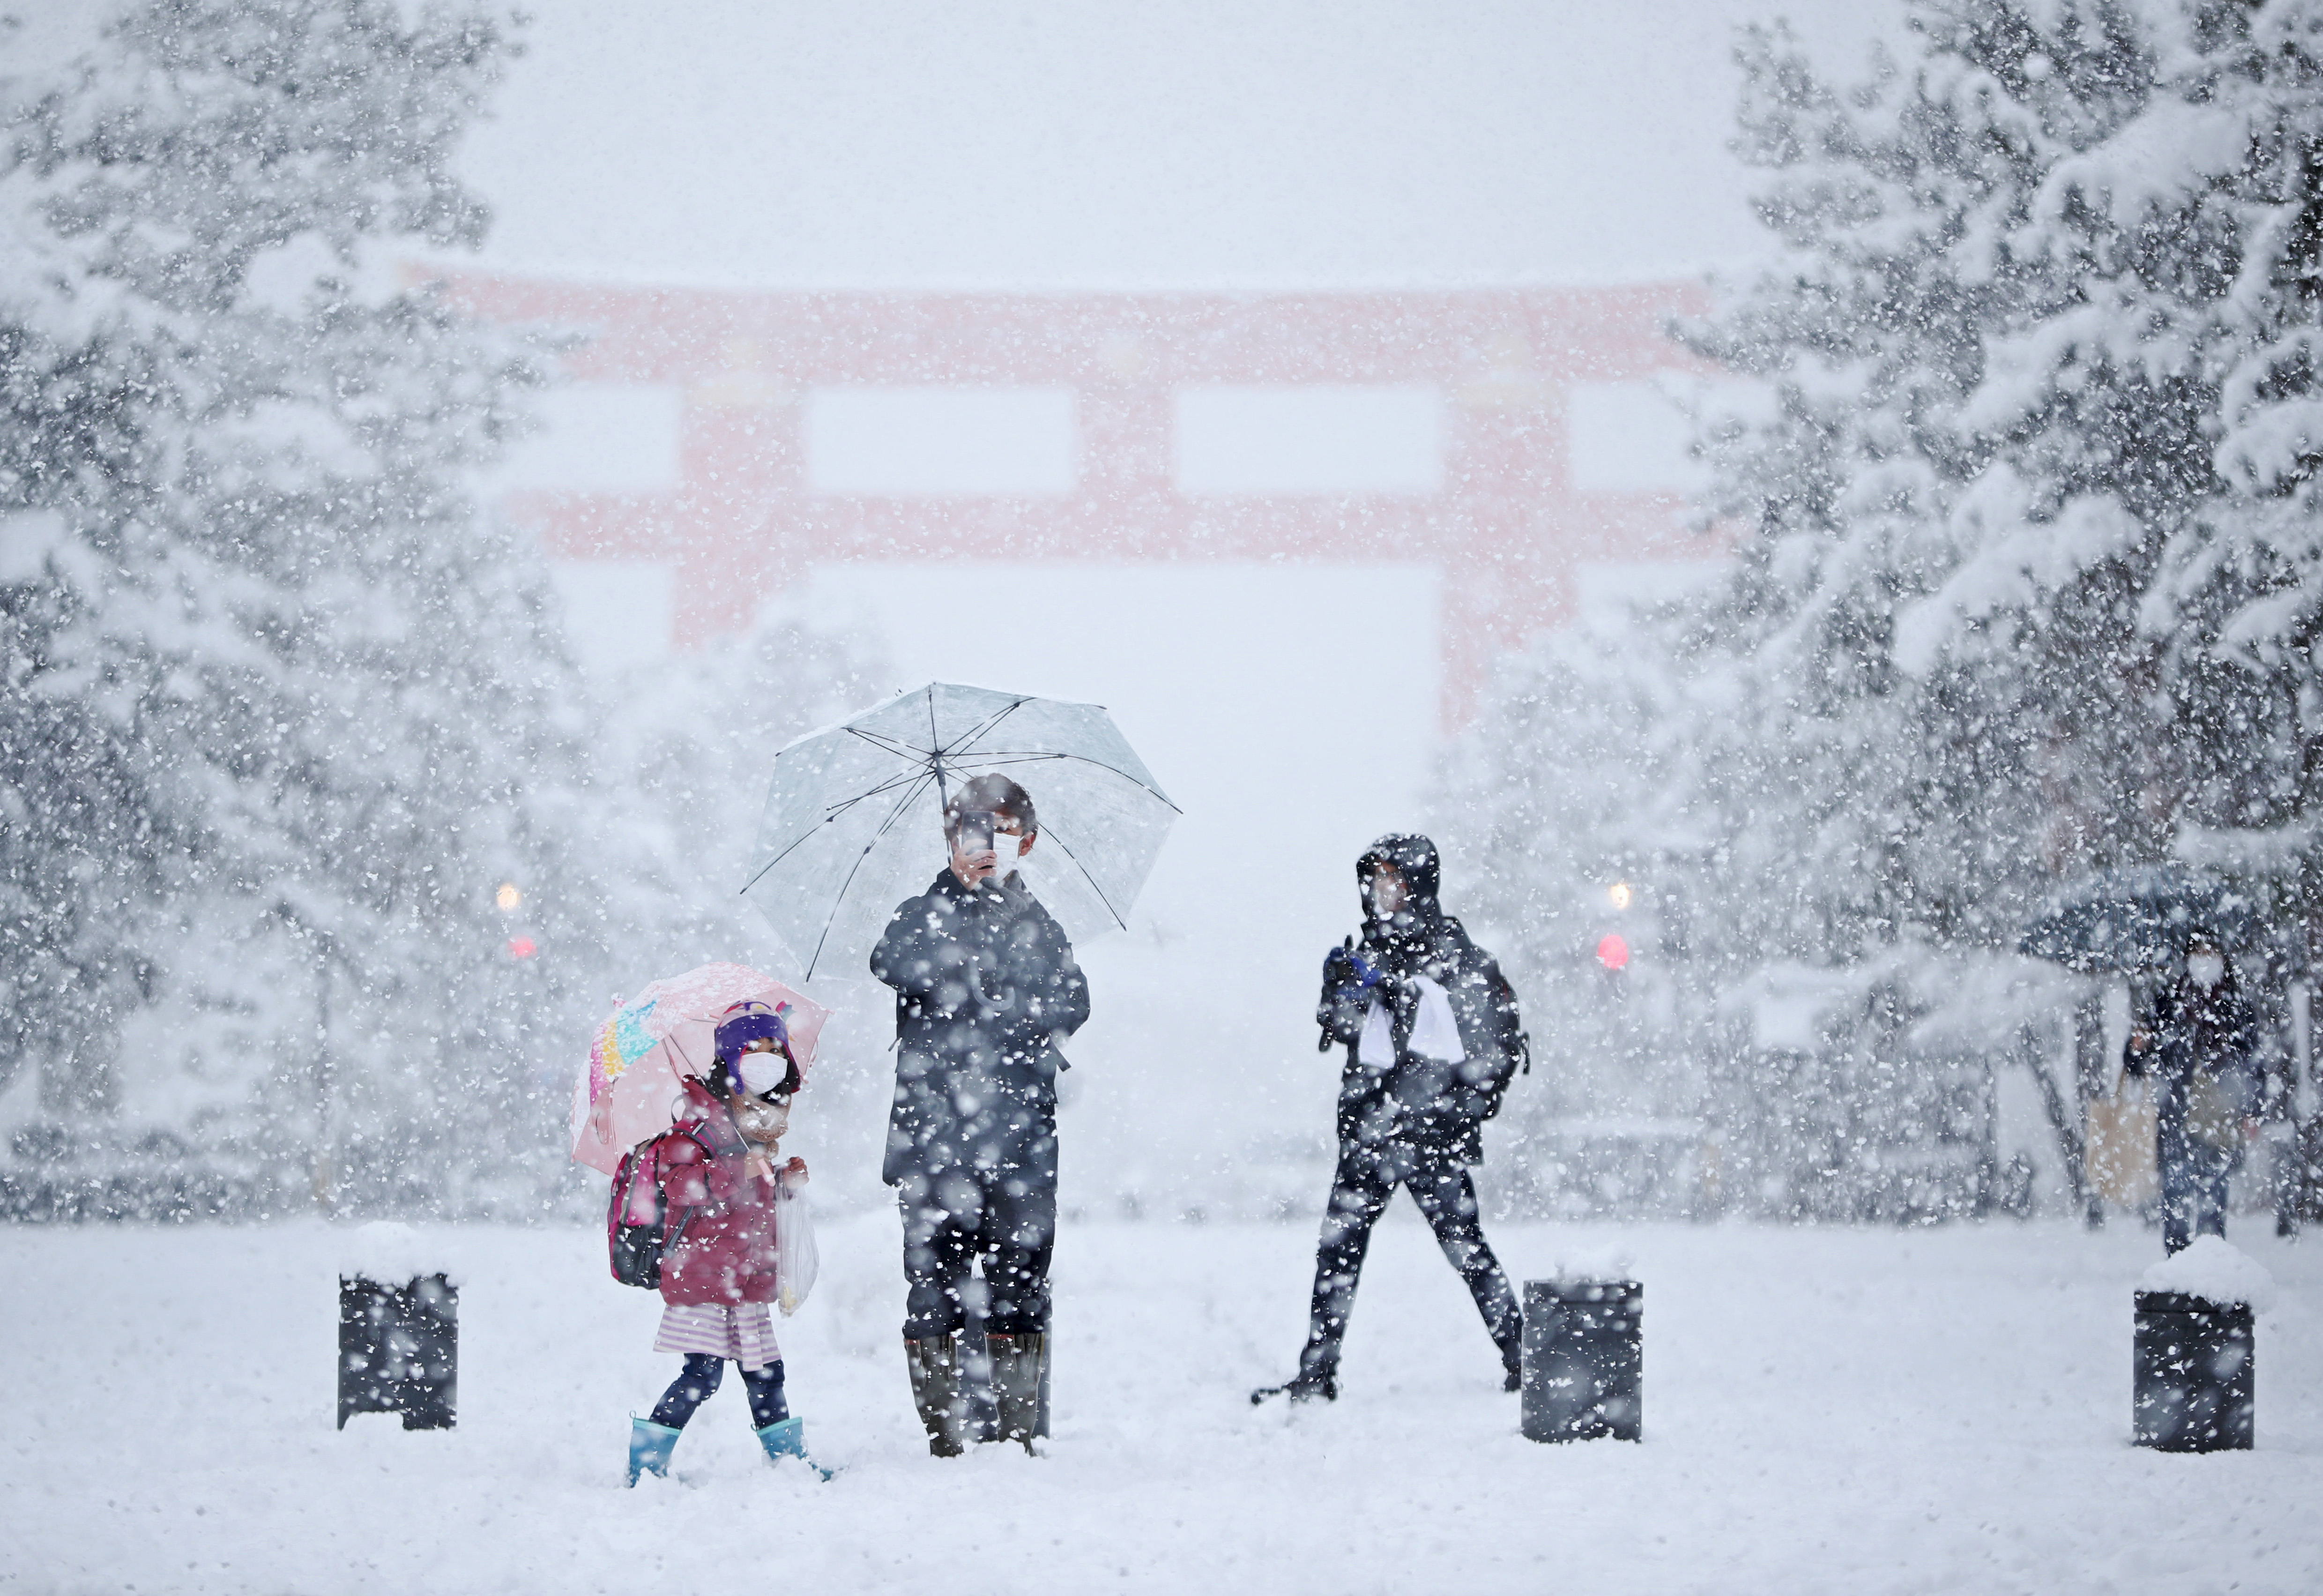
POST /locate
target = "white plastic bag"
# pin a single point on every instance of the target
(795, 1258)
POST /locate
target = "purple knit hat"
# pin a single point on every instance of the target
(743, 1025)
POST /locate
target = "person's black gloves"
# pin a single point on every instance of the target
(1351, 979)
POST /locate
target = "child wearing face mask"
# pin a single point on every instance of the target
(719, 1181)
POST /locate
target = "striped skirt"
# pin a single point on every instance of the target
(745, 1333)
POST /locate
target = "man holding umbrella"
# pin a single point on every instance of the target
(986, 987)
(2198, 1043)
(2170, 930)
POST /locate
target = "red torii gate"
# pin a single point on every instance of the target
(1507, 528)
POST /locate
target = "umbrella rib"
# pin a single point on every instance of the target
(830, 815)
(887, 785)
(840, 897)
(886, 744)
(978, 730)
(1027, 756)
(1094, 887)
(936, 759)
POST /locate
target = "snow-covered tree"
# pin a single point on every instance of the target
(1572, 825)
(282, 713)
(698, 732)
(2019, 502)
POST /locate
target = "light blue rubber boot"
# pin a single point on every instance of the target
(788, 1438)
(650, 1448)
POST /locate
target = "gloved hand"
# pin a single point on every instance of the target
(1349, 977)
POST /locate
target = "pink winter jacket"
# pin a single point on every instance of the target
(722, 1215)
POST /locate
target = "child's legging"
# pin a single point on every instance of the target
(692, 1388)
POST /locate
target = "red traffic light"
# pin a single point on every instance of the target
(522, 947)
(1612, 951)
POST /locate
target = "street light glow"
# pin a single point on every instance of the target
(509, 898)
(1618, 894)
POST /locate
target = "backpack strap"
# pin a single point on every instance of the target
(674, 1133)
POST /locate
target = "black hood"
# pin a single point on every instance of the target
(1414, 859)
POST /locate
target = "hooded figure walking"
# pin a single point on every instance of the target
(985, 988)
(1432, 1035)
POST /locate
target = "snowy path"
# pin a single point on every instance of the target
(1852, 1411)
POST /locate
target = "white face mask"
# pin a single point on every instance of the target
(2208, 969)
(761, 1071)
(1009, 851)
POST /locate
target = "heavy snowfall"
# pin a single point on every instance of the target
(1869, 897)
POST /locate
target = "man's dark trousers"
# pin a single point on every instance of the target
(1360, 1188)
(950, 1220)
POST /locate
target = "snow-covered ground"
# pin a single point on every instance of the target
(1845, 1411)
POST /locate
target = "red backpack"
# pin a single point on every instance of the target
(636, 1219)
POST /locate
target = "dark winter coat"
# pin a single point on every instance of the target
(2199, 1037)
(1423, 1102)
(722, 1215)
(985, 988)
(2195, 1032)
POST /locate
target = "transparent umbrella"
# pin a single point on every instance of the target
(853, 820)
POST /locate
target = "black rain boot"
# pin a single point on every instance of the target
(1016, 1384)
(934, 1366)
(1318, 1379)
(1314, 1388)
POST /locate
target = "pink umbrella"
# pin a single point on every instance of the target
(628, 1083)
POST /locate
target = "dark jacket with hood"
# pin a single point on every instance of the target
(1420, 1103)
(986, 987)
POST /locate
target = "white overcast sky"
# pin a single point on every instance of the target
(1252, 142)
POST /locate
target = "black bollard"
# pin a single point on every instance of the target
(2193, 1384)
(1583, 1360)
(399, 1350)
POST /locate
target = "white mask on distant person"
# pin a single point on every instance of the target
(2208, 969)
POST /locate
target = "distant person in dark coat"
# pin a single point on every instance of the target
(985, 988)
(2200, 1045)
(1432, 1036)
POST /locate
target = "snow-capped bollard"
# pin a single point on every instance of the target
(2194, 1374)
(1583, 1360)
(398, 1334)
